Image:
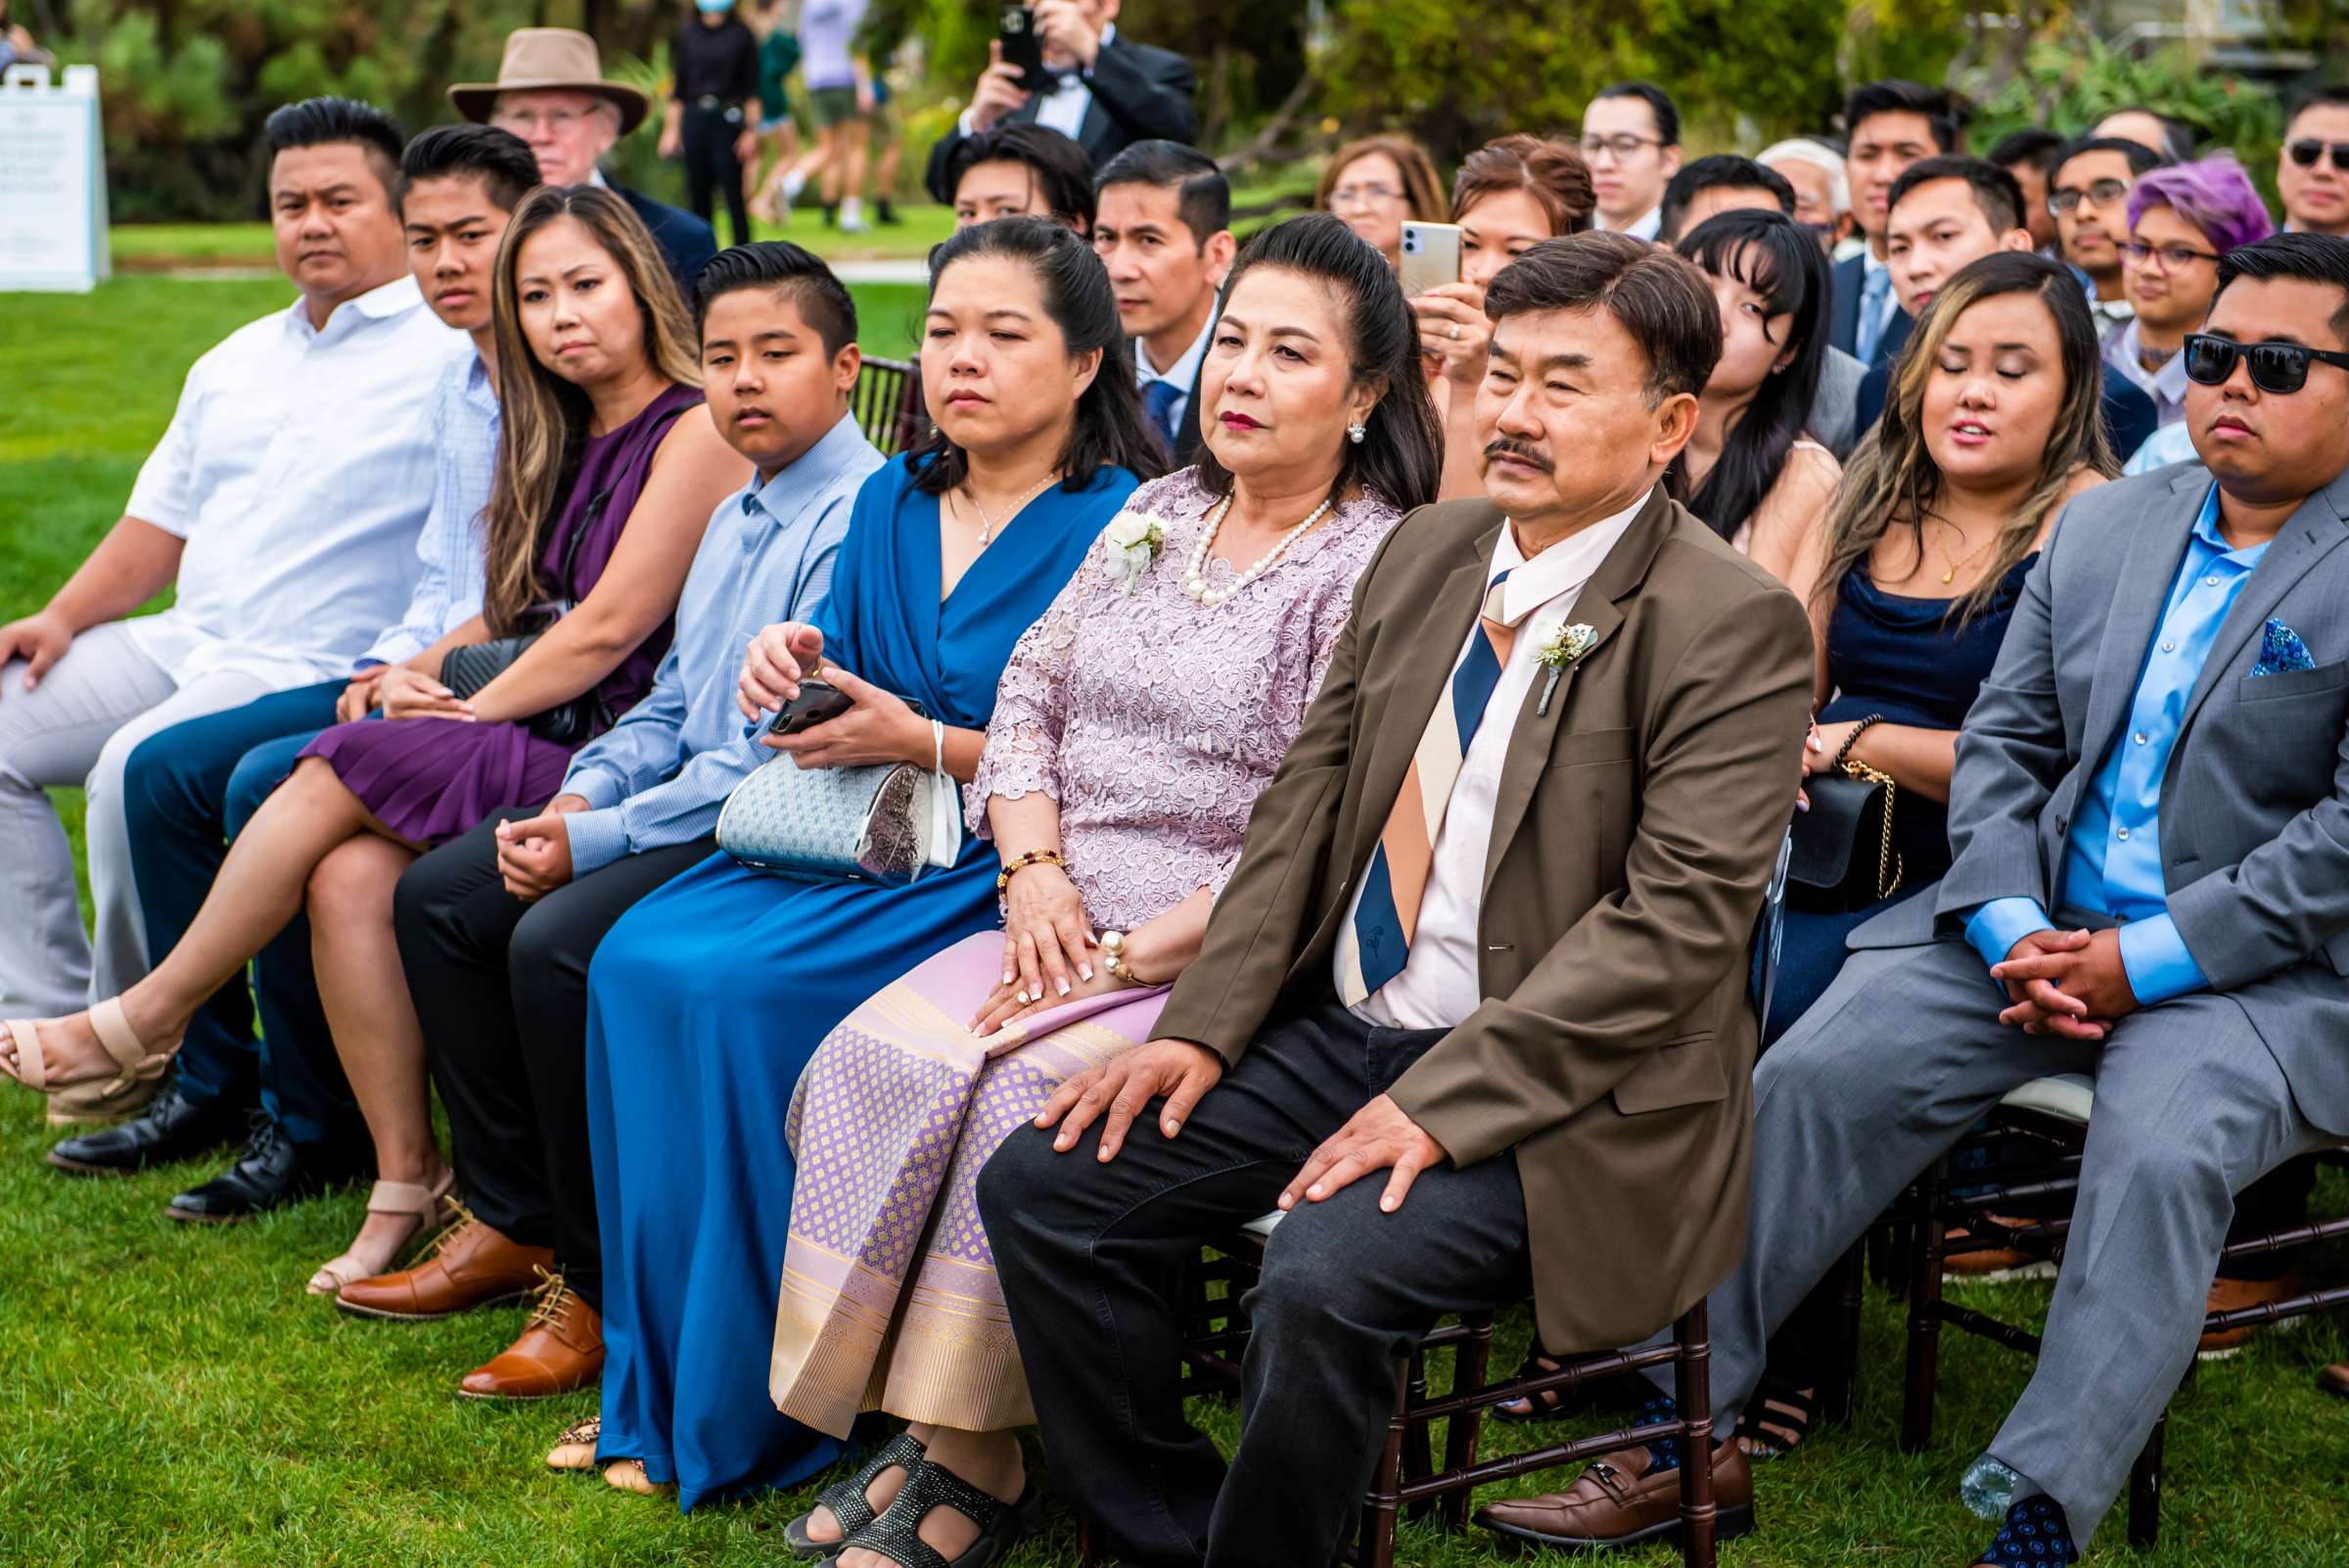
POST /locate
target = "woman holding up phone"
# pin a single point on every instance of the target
(1508, 197)
(706, 999)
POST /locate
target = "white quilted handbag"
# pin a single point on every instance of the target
(890, 823)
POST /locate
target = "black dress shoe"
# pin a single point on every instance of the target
(273, 1171)
(172, 1127)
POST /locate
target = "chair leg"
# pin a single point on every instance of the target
(1692, 1393)
(1377, 1544)
(1843, 1394)
(2144, 1491)
(1924, 1303)
(1418, 1433)
(1471, 1369)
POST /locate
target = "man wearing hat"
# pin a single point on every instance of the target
(550, 91)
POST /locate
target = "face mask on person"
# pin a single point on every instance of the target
(713, 8)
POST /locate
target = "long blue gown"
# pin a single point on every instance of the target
(708, 998)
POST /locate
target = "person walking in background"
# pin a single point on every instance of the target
(778, 58)
(190, 788)
(550, 91)
(1103, 90)
(281, 509)
(1161, 230)
(1378, 184)
(1892, 124)
(713, 111)
(1632, 143)
(839, 99)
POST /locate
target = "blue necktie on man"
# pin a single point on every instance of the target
(1868, 330)
(1159, 398)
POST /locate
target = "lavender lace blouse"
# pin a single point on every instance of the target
(1154, 720)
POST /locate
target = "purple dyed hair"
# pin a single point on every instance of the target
(2213, 194)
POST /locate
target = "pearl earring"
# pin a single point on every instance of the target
(1355, 432)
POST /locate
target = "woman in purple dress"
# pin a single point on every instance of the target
(608, 471)
(1132, 730)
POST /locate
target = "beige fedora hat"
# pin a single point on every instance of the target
(550, 60)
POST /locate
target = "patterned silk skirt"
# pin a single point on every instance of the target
(890, 1297)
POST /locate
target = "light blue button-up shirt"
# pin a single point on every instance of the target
(658, 777)
(2113, 861)
(463, 425)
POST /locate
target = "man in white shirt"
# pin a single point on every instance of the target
(1160, 227)
(1631, 141)
(282, 506)
(1486, 947)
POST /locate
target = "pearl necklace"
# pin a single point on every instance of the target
(987, 524)
(1194, 579)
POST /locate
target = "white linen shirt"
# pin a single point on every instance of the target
(299, 469)
(1439, 985)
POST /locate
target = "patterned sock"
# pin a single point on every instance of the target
(1665, 1453)
(2035, 1535)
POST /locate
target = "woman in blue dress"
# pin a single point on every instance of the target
(710, 997)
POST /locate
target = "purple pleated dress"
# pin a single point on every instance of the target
(429, 779)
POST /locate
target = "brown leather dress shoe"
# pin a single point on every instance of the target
(2226, 1295)
(1622, 1499)
(560, 1349)
(469, 1264)
(2335, 1380)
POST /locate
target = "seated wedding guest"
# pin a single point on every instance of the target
(281, 509)
(1508, 197)
(1891, 125)
(550, 91)
(1163, 230)
(497, 926)
(2028, 155)
(2087, 191)
(186, 789)
(1121, 804)
(2184, 220)
(1632, 143)
(1822, 191)
(2128, 908)
(1946, 213)
(1020, 170)
(709, 997)
(1378, 184)
(1453, 955)
(1749, 472)
(1102, 90)
(2312, 172)
(602, 429)
(1721, 183)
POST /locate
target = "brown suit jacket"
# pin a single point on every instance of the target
(1636, 826)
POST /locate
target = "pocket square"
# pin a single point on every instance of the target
(2281, 650)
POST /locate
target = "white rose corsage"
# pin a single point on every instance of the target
(1561, 652)
(1130, 542)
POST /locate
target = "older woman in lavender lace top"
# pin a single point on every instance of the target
(1134, 729)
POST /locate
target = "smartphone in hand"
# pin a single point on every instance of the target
(1015, 25)
(1430, 256)
(818, 702)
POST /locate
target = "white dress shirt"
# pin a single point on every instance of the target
(451, 570)
(1062, 109)
(1647, 226)
(1439, 985)
(2166, 385)
(298, 468)
(1182, 375)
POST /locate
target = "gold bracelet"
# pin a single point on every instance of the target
(1022, 862)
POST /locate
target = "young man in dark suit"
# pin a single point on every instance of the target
(1102, 91)
(1159, 228)
(1892, 124)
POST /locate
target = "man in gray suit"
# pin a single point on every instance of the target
(2162, 758)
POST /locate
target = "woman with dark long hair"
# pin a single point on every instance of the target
(1750, 471)
(708, 998)
(608, 471)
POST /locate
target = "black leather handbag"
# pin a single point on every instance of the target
(467, 669)
(1843, 858)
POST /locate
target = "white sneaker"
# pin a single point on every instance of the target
(851, 217)
(792, 184)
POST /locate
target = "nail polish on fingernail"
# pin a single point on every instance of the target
(1084, 971)
(1064, 988)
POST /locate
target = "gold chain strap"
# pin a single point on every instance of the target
(1889, 867)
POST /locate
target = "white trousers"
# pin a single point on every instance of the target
(78, 727)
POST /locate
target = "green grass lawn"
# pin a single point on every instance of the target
(169, 1395)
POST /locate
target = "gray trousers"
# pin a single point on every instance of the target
(1889, 1068)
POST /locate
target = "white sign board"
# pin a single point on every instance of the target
(52, 181)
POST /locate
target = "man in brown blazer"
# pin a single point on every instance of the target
(1488, 941)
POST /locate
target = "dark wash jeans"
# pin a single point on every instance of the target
(1089, 1252)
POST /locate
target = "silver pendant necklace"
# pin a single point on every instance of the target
(987, 524)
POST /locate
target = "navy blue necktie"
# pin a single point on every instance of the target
(1159, 398)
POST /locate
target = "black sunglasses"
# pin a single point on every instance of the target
(2275, 367)
(2305, 154)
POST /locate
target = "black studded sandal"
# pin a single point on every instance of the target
(930, 1486)
(846, 1499)
(1776, 1419)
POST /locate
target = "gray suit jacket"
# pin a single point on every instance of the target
(1834, 421)
(2255, 803)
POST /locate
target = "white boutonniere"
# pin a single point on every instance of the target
(1129, 543)
(1563, 651)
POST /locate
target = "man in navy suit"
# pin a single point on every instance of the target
(1944, 213)
(1163, 230)
(1892, 124)
(550, 91)
(1102, 90)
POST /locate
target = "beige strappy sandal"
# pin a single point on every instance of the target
(420, 1202)
(138, 1064)
(575, 1450)
(627, 1475)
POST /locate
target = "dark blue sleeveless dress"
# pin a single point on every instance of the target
(1908, 659)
